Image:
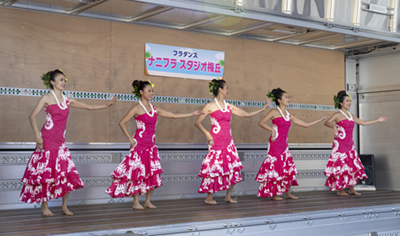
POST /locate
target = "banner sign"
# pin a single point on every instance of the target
(189, 63)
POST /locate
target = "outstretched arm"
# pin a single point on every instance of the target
(32, 119)
(301, 123)
(81, 105)
(369, 122)
(201, 127)
(122, 124)
(168, 114)
(241, 113)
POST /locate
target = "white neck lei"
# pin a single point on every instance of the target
(287, 118)
(226, 107)
(144, 108)
(349, 118)
(63, 105)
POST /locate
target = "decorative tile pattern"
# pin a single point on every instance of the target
(11, 185)
(105, 181)
(301, 174)
(157, 99)
(254, 156)
(311, 156)
(183, 157)
(311, 174)
(180, 178)
(15, 159)
(92, 158)
(77, 158)
(296, 156)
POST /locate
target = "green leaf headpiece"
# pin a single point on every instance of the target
(270, 95)
(46, 80)
(213, 85)
(136, 92)
(337, 101)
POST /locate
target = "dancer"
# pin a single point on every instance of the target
(139, 173)
(221, 167)
(344, 167)
(278, 171)
(50, 172)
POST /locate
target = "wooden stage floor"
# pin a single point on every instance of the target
(120, 215)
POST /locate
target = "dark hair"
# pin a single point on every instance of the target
(139, 85)
(278, 92)
(215, 84)
(341, 96)
(51, 76)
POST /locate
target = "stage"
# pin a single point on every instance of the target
(314, 213)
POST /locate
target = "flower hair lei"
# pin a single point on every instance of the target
(136, 91)
(337, 101)
(213, 85)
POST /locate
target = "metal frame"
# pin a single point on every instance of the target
(220, 12)
(84, 7)
(152, 12)
(204, 21)
(394, 5)
(326, 37)
(285, 37)
(330, 9)
(246, 30)
(4, 2)
(287, 6)
(253, 15)
(348, 221)
(356, 44)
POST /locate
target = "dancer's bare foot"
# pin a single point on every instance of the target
(46, 211)
(354, 192)
(66, 211)
(276, 198)
(210, 201)
(230, 200)
(290, 196)
(342, 193)
(137, 206)
(149, 205)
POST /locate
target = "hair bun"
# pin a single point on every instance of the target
(276, 94)
(139, 85)
(214, 85)
(339, 98)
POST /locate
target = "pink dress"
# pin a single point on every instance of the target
(344, 167)
(221, 167)
(140, 171)
(51, 173)
(278, 172)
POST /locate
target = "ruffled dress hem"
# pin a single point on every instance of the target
(138, 173)
(344, 170)
(220, 170)
(276, 177)
(50, 174)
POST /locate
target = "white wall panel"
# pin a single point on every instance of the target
(380, 96)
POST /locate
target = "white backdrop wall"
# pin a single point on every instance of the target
(379, 88)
